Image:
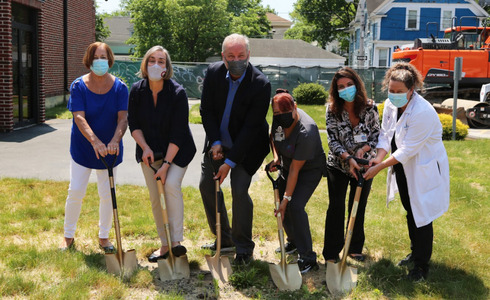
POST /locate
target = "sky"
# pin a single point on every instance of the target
(282, 7)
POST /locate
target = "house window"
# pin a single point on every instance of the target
(383, 58)
(447, 18)
(412, 19)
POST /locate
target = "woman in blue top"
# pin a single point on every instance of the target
(159, 123)
(99, 103)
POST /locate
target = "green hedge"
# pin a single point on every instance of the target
(447, 128)
(310, 93)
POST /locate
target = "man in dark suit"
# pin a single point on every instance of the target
(234, 103)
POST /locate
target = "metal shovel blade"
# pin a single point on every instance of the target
(125, 267)
(178, 268)
(339, 280)
(220, 267)
(287, 277)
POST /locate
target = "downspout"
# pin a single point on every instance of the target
(65, 49)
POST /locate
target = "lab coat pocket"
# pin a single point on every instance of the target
(428, 176)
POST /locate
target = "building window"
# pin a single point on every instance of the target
(412, 18)
(447, 19)
(383, 58)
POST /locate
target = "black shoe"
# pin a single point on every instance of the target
(406, 261)
(417, 274)
(224, 247)
(242, 259)
(289, 247)
(358, 257)
(153, 258)
(109, 249)
(306, 266)
(179, 250)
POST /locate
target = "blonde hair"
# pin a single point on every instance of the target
(143, 72)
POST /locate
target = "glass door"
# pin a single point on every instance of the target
(25, 100)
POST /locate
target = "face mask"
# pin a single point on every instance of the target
(156, 72)
(348, 93)
(284, 120)
(100, 66)
(237, 67)
(398, 100)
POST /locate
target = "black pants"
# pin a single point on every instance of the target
(296, 222)
(334, 223)
(242, 206)
(420, 238)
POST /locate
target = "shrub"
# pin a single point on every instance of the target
(447, 128)
(310, 93)
(381, 106)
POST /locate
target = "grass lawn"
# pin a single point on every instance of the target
(31, 226)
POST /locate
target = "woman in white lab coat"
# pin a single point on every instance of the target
(418, 164)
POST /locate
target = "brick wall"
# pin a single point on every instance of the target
(6, 109)
(81, 32)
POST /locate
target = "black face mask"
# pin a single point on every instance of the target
(284, 120)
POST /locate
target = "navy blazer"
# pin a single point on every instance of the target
(248, 127)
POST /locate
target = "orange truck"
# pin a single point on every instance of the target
(434, 58)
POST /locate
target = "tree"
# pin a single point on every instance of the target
(301, 30)
(101, 29)
(249, 18)
(329, 18)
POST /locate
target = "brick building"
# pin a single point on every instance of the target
(42, 43)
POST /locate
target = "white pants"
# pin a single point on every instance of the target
(79, 177)
(174, 200)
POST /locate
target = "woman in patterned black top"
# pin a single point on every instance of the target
(353, 129)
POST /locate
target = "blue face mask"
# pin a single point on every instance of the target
(398, 100)
(100, 66)
(348, 94)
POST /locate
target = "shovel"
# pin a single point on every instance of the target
(219, 266)
(120, 263)
(340, 277)
(173, 267)
(285, 276)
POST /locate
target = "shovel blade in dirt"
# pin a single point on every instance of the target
(341, 281)
(220, 267)
(123, 268)
(178, 268)
(287, 277)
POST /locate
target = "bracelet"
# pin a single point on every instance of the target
(167, 162)
(287, 197)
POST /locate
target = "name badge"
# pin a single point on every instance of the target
(360, 138)
(279, 135)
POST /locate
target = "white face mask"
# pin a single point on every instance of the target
(156, 72)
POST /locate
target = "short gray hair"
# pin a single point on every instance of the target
(236, 38)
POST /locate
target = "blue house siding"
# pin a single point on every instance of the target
(393, 26)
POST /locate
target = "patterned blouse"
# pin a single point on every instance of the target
(342, 137)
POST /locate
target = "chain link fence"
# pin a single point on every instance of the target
(191, 76)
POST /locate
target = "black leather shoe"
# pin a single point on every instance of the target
(406, 261)
(179, 250)
(242, 259)
(108, 249)
(225, 247)
(289, 247)
(153, 258)
(417, 274)
(358, 257)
